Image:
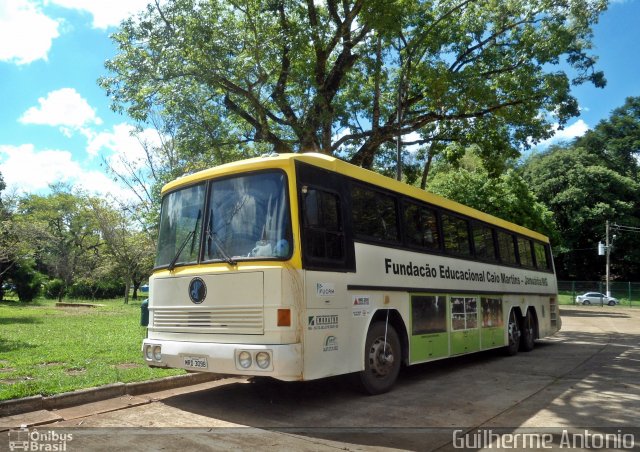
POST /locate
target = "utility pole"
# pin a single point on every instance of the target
(608, 250)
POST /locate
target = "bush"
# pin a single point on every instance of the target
(88, 289)
(53, 289)
(28, 283)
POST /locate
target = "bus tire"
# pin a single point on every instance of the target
(528, 337)
(381, 363)
(513, 334)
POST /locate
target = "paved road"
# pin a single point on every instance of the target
(583, 381)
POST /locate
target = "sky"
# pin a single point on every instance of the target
(56, 124)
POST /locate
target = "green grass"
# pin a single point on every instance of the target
(48, 350)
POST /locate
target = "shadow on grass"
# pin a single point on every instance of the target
(19, 320)
(8, 345)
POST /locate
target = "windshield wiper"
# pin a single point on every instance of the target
(216, 241)
(191, 234)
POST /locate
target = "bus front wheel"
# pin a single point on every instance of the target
(382, 356)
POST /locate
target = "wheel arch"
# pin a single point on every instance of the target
(518, 312)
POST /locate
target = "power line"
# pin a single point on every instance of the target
(623, 228)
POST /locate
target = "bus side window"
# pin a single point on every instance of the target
(374, 215)
(540, 253)
(324, 235)
(483, 242)
(456, 235)
(421, 227)
(506, 246)
(525, 252)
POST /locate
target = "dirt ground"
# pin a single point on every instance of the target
(577, 389)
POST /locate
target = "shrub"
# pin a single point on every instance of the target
(53, 289)
(28, 283)
(103, 289)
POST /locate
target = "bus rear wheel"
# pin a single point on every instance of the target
(513, 334)
(528, 339)
(382, 358)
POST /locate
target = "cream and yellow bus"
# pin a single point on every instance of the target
(302, 266)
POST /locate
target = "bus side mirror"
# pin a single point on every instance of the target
(144, 313)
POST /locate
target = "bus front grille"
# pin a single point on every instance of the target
(230, 320)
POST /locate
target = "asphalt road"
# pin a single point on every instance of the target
(577, 388)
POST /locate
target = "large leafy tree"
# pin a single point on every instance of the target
(583, 192)
(66, 234)
(616, 140)
(237, 78)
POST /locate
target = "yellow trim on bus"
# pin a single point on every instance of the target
(286, 162)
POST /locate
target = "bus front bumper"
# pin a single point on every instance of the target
(283, 362)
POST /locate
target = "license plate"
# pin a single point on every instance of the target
(195, 362)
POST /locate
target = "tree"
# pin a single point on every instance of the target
(507, 196)
(234, 79)
(67, 236)
(16, 248)
(583, 192)
(132, 251)
(617, 139)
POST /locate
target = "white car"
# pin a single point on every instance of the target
(596, 298)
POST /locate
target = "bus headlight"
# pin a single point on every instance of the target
(263, 360)
(148, 352)
(244, 359)
(157, 353)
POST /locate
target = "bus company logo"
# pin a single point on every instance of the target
(197, 290)
(330, 344)
(325, 289)
(323, 322)
(24, 439)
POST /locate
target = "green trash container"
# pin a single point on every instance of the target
(144, 313)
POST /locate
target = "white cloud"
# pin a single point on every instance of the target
(64, 107)
(119, 143)
(26, 33)
(105, 13)
(29, 170)
(575, 130)
(124, 152)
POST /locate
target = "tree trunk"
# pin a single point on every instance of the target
(126, 291)
(136, 286)
(427, 167)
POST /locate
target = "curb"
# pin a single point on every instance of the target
(68, 399)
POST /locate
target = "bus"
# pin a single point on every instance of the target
(303, 266)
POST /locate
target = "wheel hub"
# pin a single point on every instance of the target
(381, 357)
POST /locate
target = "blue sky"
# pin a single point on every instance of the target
(56, 124)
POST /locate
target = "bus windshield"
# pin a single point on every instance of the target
(247, 218)
(180, 225)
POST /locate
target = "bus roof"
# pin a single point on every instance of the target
(355, 172)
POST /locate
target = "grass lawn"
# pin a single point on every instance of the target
(47, 350)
